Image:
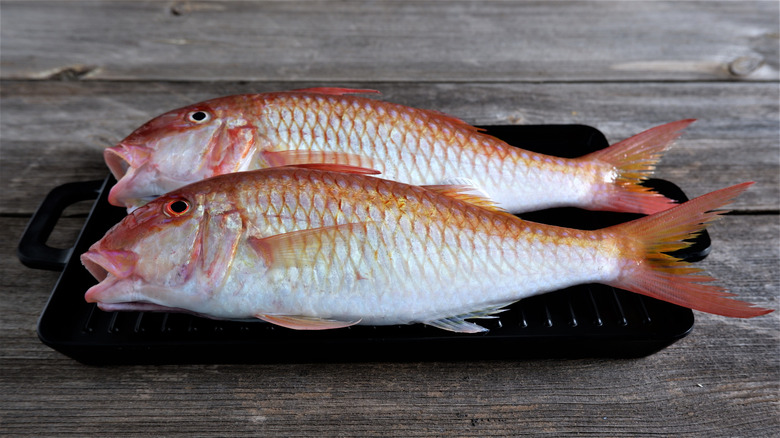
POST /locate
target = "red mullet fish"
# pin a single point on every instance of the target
(327, 127)
(312, 249)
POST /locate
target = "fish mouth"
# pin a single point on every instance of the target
(122, 194)
(125, 156)
(122, 295)
(100, 264)
(117, 295)
(114, 294)
(117, 160)
(117, 289)
(123, 160)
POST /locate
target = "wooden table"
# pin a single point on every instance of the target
(78, 76)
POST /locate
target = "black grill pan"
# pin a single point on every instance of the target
(584, 321)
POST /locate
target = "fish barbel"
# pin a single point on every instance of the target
(314, 249)
(322, 127)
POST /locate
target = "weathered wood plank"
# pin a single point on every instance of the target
(53, 132)
(720, 381)
(410, 41)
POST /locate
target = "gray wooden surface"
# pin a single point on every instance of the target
(77, 76)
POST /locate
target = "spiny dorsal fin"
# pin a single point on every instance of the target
(335, 91)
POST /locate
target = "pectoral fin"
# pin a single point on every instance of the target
(218, 243)
(304, 247)
(323, 160)
(298, 322)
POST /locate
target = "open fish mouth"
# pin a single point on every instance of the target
(117, 160)
(100, 264)
(109, 268)
(114, 294)
(124, 156)
(116, 289)
(124, 160)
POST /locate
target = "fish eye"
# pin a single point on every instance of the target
(198, 116)
(176, 208)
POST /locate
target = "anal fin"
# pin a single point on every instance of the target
(459, 324)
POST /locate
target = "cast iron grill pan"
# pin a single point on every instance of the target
(590, 320)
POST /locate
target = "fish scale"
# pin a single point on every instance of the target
(409, 133)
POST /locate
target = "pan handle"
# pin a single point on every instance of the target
(33, 251)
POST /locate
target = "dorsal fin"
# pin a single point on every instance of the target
(452, 119)
(464, 190)
(335, 91)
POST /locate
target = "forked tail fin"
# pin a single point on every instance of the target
(634, 160)
(649, 270)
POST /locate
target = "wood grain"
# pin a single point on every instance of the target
(406, 41)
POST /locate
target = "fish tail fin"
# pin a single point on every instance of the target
(634, 160)
(648, 269)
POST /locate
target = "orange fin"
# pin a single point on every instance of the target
(651, 271)
(464, 190)
(342, 168)
(304, 247)
(333, 161)
(634, 160)
(444, 117)
(298, 322)
(335, 91)
(220, 235)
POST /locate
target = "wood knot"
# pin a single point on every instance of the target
(745, 65)
(71, 73)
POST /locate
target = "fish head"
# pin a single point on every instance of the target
(156, 258)
(180, 147)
